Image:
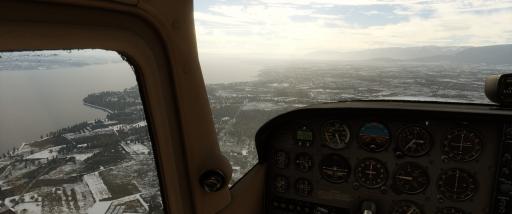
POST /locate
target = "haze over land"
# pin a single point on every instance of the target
(226, 68)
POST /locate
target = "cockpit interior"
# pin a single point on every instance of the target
(163, 139)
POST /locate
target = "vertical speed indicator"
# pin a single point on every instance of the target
(414, 141)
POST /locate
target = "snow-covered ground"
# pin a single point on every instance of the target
(97, 187)
(87, 133)
(49, 153)
(117, 206)
(29, 208)
(31, 203)
(138, 125)
(84, 196)
(100, 207)
(135, 148)
(82, 157)
(261, 105)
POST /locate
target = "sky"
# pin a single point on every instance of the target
(277, 28)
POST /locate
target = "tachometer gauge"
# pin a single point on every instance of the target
(451, 210)
(280, 184)
(304, 136)
(405, 207)
(335, 134)
(371, 173)
(414, 141)
(457, 184)
(303, 162)
(303, 187)
(280, 159)
(374, 137)
(410, 178)
(335, 168)
(462, 145)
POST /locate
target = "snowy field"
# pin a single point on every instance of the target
(135, 148)
(97, 187)
(45, 154)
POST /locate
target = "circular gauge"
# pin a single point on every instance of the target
(303, 162)
(371, 173)
(462, 145)
(450, 210)
(405, 207)
(303, 187)
(335, 134)
(410, 178)
(280, 184)
(374, 137)
(456, 184)
(414, 141)
(281, 159)
(335, 168)
(304, 136)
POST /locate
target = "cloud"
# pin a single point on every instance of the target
(372, 12)
(293, 28)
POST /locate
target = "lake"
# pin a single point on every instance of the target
(35, 102)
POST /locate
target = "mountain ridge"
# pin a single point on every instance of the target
(492, 54)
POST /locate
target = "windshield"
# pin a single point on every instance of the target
(264, 57)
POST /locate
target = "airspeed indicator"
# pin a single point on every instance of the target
(335, 134)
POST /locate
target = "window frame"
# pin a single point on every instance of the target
(163, 52)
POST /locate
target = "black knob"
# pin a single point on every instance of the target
(212, 180)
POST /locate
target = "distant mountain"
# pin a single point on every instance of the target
(496, 54)
(53, 59)
(396, 53)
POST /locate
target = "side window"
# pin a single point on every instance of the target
(73, 135)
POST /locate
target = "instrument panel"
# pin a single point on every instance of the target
(385, 157)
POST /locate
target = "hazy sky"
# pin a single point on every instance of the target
(295, 27)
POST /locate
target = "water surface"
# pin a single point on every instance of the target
(35, 102)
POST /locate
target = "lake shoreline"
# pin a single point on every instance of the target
(98, 107)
